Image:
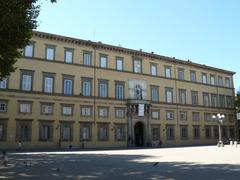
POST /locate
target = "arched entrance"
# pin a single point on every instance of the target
(138, 129)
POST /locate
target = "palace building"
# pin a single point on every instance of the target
(68, 91)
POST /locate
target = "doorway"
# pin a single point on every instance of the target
(138, 129)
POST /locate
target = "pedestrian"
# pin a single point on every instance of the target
(19, 145)
(160, 143)
(4, 158)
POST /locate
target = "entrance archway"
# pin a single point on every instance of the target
(139, 134)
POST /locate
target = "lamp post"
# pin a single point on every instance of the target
(219, 118)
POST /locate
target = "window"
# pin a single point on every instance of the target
(214, 100)
(119, 113)
(86, 86)
(208, 132)
(119, 90)
(196, 132)
(227, 82)
(170, 115)
(29, 50)
(67, 110)
(24, 130)
(215, 132)
(224, 132)
(103, 61)
(170, 132)
(103, 112)
(119, 133)
(230, 117)
(153, 69)
(50, 52)
(68, 55)
(45, 131)
(212, 79)
(169, 95)
(220, 81)
(193, 76)
(194, 95)
(3, 129)
(204, 78)
(167, 71)
(3, 83)
(3, 106)
(119, 63)
(103, 88)
(154, 93)
(86, 111)
(155, 114)
(102, 132)
(87, 58)
(205, 99)
(184, 132)
(155, 133)
(67, 85)
(195, 116)
(231, 133)
(48, 83)
(85, 131)
(183, 115)
(26, 80)
(229, 101)
(207, 116)
(25, 107)
(66, 130)
(46, 108)
(181, 73)
(137, 65)
(182, 96)
(222, 100)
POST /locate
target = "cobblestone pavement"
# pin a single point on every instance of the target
(204, 162)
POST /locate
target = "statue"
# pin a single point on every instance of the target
(138, 92)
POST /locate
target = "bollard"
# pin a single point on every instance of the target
(235, 143)
(231, 143)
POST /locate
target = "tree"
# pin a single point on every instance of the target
(17, 18)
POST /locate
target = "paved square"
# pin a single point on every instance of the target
(205, 162)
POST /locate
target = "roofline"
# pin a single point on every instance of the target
(126, 50)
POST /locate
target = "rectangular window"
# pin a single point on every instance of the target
(212, 79)
(182, 96)
(220, 81)
(231, 133)
(169, 95)
(26, 80)
(137, 65)
(183, 115)
(222, 100)
(46, 108)
(119, 90)
(45, 131)
(170, 115)
(119, 113)
(3, 83)
(230, 117)
(206, 99)
(68, 55)
(120, 133)
(3, 130)
(66, 131)
(155, 114)
(103, 61)
(103, 132)
(87, 58)
(193, 76)
(86, 111)
(86, 86)
(224, 132)
(103, 112)
(103, 88)
(119, 63)
(227, 82)
(215, 132)
(194, 95)
(195, 116)
(208, 132)
(29, 50)
(214, 100)
(180, 73)
(167, 71)
(85, 131)
(24, 130)
(229, 101)
(50, 52)
(25, 107)
(67, 110)
(153, 69)
(155, 133)
(196, 132)
(204, 78)
(3, 106)
(184, 132)
(68, 85)
(170, 132)
(48, 85)
(207, 116)
(154, 93)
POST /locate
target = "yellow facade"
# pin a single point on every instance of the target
(17, 126)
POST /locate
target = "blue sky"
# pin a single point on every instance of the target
(206, 31)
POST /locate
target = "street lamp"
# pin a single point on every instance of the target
(219, 118)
